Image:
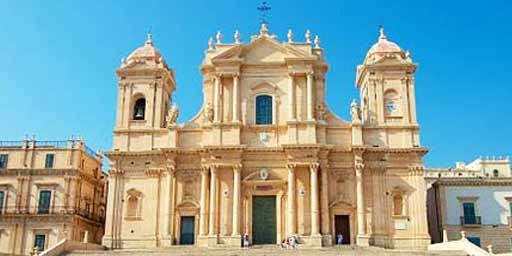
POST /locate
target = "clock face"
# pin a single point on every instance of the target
(391, 106)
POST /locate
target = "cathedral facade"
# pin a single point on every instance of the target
(265, 156)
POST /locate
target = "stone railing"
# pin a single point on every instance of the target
(50, 211)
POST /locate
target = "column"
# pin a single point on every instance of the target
(291, 218)
(236, 200)
(204, 194)
(213, 201)
(309, 85)
(360, 200)
(172, 210)
(279, 216)
(236, 98)
(216, 100)
(324, 200)
(291, 98)
(313, 173)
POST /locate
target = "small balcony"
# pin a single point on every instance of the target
(475, 221)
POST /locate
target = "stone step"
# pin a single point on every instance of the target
(264, 251)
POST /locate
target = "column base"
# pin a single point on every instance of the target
(167, 241)
(327, 240)
(234, 241)
(310, 241)
(207, 241)
(362, 240)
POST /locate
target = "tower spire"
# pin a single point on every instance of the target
(381, 32)
(149, 39)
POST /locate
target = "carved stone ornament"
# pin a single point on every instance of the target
(208, 113)
(321, 111)
(172, 115)
(264, 174)
(355, 112)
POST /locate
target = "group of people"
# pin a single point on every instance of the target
(290, 242)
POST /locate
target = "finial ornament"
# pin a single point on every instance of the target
(219, 37)
(211, 44)
(237, 37)
(149, 39)
(264, 29)
(317, 41)
(381, 33)
(308, 36)
(290, 36)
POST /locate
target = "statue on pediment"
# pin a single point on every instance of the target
(355, 112)
(172, 115)
(208, 113)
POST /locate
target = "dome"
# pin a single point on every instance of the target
(384, 46)
(147, 53)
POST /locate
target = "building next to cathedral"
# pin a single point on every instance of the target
(265, 156)
(49, 191)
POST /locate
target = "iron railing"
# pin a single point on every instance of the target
(470, 220)
(58, 144)
(51, 211)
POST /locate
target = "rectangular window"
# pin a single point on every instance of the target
(469, 213)
(3, 161)
(2, 196)
(475, 240)
(44, 202)
(39, 241)
(49, 161)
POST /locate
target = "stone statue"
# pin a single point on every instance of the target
(321, 111)
(172, 115)
(208, 113)
(355, 112)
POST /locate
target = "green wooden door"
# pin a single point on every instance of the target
(264, 220)
(187, 230)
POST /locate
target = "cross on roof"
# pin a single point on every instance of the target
(264, 9)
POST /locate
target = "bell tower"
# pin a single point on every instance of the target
(386, 85)
(145, 90)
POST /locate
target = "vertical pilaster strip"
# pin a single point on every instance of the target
(360, 199)
(236, 98)
(213, 201)
(324, 199)
(315, 227)
(236, 200)
(203, 210)
(291, 199)
(309, 84)
(291, 97)
(216, 99)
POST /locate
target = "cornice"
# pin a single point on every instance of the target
(471, 181)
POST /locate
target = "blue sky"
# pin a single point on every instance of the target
(59, 57)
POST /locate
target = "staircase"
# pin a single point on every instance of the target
(264, 250)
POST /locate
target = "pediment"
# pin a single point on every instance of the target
(263, 49)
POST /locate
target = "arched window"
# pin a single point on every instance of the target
(264, 109)
(495, 172)
(133, 204)
(391, 102)
(398, 204)
(139, 109)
